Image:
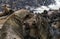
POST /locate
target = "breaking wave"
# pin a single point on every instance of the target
(54, 6)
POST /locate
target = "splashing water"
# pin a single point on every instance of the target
(54, 6)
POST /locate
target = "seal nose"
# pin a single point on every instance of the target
(33, 23)
(24, 23)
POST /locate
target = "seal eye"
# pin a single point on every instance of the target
(24, 23)
(14, 38)
(26, 17)
(33, 23)
(54, 23)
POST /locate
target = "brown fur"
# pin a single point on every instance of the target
(15, 25)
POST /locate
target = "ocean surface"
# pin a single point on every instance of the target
(37, 6)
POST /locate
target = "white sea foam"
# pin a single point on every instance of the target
(54, 6)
